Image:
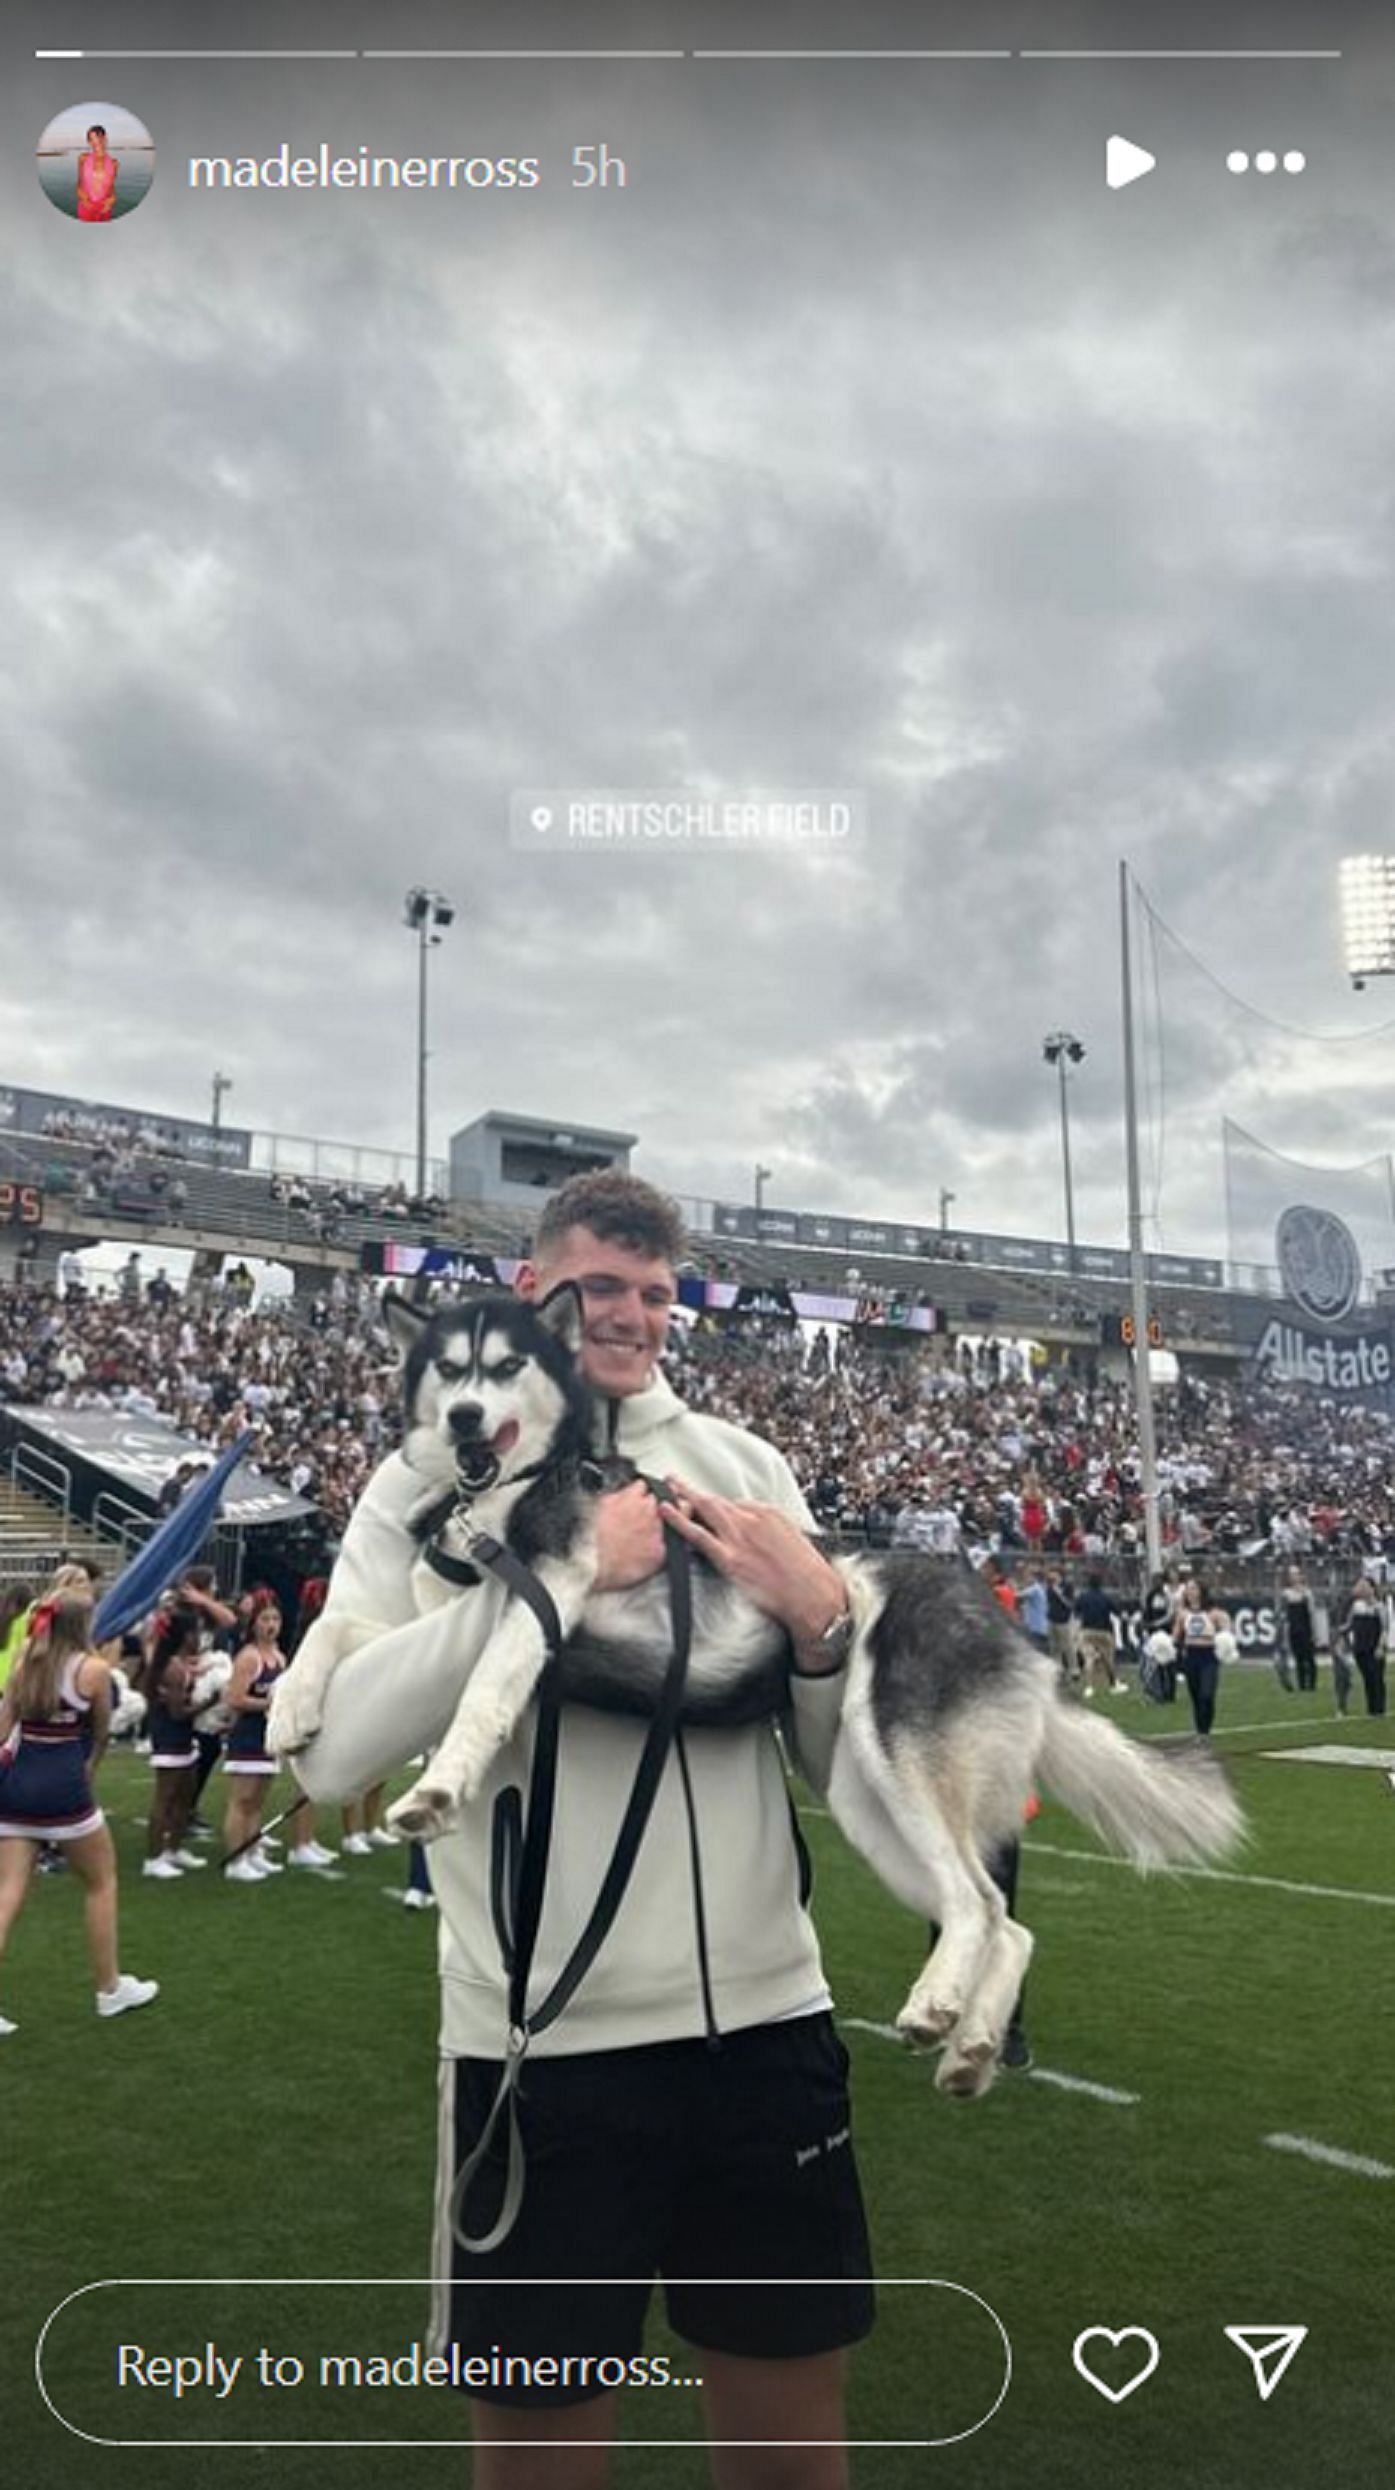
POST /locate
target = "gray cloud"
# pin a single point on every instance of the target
(865, 441)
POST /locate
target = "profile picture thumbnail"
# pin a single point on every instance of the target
(96, 162)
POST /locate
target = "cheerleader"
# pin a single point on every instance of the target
(60, 1691)
(255, 1671)
(1365, 1634)
(169, 1689)
(1195, 1631)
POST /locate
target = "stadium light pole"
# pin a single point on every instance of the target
(426, 914)
(222, 1082)
(947, 1199)
(1061, 1049)
(1138, 1274)
(1367, 886)
(763, 1175)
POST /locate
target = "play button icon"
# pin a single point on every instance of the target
(1125, 163)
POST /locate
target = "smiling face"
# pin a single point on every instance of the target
(626, 1301)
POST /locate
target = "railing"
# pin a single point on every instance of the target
(30, 1467)
(125, 1523)
(344, 1162)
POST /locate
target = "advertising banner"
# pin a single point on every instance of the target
(52, 1116)
(138, 1455)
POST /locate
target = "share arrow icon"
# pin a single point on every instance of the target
(1268, 2349)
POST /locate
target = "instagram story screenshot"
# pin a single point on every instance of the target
(697, 1244)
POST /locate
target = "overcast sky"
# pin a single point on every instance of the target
(864, 441)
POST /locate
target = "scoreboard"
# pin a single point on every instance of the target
(1120, 1331)
(21, 1205)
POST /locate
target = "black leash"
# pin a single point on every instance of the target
(528, 1880)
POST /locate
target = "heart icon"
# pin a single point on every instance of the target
(1108, 2334)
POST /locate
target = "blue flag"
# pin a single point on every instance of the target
(175, 1545)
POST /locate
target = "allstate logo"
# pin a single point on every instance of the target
(1319, 1264)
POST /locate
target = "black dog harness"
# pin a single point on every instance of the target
(524, 1862)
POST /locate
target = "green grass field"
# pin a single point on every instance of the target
(273, 2116)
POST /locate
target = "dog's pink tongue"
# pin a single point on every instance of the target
(506, 1438)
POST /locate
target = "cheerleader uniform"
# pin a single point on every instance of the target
(1199, 1664)
(46, 1790)
(171, 1733)
(1366, 1627)
(244, 1749)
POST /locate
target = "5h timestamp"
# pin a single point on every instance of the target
(595, 168)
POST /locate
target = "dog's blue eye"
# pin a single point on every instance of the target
(448, 1371)
(508, 1366)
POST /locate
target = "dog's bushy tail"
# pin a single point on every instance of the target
(1158, 1810)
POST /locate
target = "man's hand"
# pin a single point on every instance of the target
(766, 1555)
(629, 1538)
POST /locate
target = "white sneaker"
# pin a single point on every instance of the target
(6, 2027)
(357, 1846)
(127, 1993)
(187, 1859)
(382, 1839)
(269, 1867)
(271, 1841)
(413, 1900)
(311, 1854)
(165, 1868)
(247, 1870)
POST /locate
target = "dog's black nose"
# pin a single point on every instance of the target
(465, 1418)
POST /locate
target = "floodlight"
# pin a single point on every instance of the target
(1368, 916)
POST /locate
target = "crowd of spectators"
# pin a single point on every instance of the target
(317, 1393)
(325, 1206)
(953, 1445)
(969, 1444)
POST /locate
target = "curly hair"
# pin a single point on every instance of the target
(620, 1210)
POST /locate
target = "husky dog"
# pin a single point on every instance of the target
(949, 1714)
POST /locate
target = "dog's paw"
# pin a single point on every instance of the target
(926, 2022)
(967, 2069)
(295, 1715)
(424, 1812)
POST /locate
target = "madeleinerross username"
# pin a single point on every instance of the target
(327, 170)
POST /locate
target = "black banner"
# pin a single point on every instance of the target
(1002, 1253)
(138, 1455)
(51, 1116)
(1353, 1365)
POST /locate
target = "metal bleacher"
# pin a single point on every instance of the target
(235, 1210)
(971, 1296)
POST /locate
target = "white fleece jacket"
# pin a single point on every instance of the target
(394, 1696)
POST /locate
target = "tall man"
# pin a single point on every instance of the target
(687, 2114)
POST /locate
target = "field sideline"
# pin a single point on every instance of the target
(273, 2115)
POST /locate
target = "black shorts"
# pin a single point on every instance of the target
(730, 2169)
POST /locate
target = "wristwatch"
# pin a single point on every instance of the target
(832, 1647)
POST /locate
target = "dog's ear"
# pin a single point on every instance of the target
(559, 1312)
(405, 1322)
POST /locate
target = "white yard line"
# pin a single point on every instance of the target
(1081, 2083)
(1220, 1876)
(1358, 2163)
(1040, 2074)
(1290, 1720)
